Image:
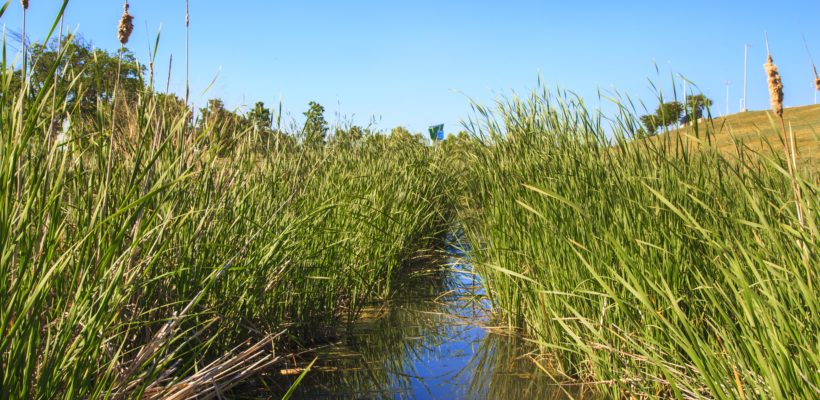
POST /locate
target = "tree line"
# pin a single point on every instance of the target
(95, 73)
(674, 112)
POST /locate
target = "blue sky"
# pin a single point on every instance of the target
(416, 63)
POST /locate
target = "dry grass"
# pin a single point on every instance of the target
(759, 129)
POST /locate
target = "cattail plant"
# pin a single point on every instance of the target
(23, 74)
(776, 99)
(775, 86)
(126, 26)
(24, 3)
(813, 66)
(124, 30)
(187, 30)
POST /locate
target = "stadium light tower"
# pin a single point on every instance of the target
(744, 108)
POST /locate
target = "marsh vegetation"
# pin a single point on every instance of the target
(145, 252)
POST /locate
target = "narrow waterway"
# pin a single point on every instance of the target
(431, 341)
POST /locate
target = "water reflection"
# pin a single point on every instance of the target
(428, 342)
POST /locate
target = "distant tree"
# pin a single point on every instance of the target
(400, 133)
(225, 126)
(348, 137)
(461, 140)
(93, 71)
(402, 136)
(212, 114)
(668, 113)
(315, 128)
(373, 138)
(173, 107)
(650, 123)
(259, 117)
(695, 105)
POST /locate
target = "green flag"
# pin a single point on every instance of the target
(436, 132)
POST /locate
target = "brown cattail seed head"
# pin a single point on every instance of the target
(25, 4)
(126, 26)
(816, 78)
(775, 87)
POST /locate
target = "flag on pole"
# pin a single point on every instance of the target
(436, 132)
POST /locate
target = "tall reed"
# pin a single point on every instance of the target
(644, 266)
(204, 254)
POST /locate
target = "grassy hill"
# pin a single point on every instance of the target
(758, 130)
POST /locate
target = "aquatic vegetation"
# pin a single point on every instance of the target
(648, 266)
(147, 253)
(137, 253)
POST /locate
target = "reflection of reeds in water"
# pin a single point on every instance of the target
(505, 367)
(377, 358)
(399, 350)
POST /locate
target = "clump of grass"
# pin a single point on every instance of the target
(147, 263)
(644, 266)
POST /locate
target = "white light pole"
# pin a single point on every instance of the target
(727, 96)
(745, 74)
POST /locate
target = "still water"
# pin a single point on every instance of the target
(431, 341)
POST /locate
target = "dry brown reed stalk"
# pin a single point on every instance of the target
(222, 374)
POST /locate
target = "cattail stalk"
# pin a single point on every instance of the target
(23, 84)
(124, 30)
(187, 47)
(189, 113)
(24, 3)
(776, 99)
(775, 86)
(813, 67)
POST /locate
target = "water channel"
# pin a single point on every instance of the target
(431, 341)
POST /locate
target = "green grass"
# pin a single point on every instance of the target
(646, 267)
(126, 284)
